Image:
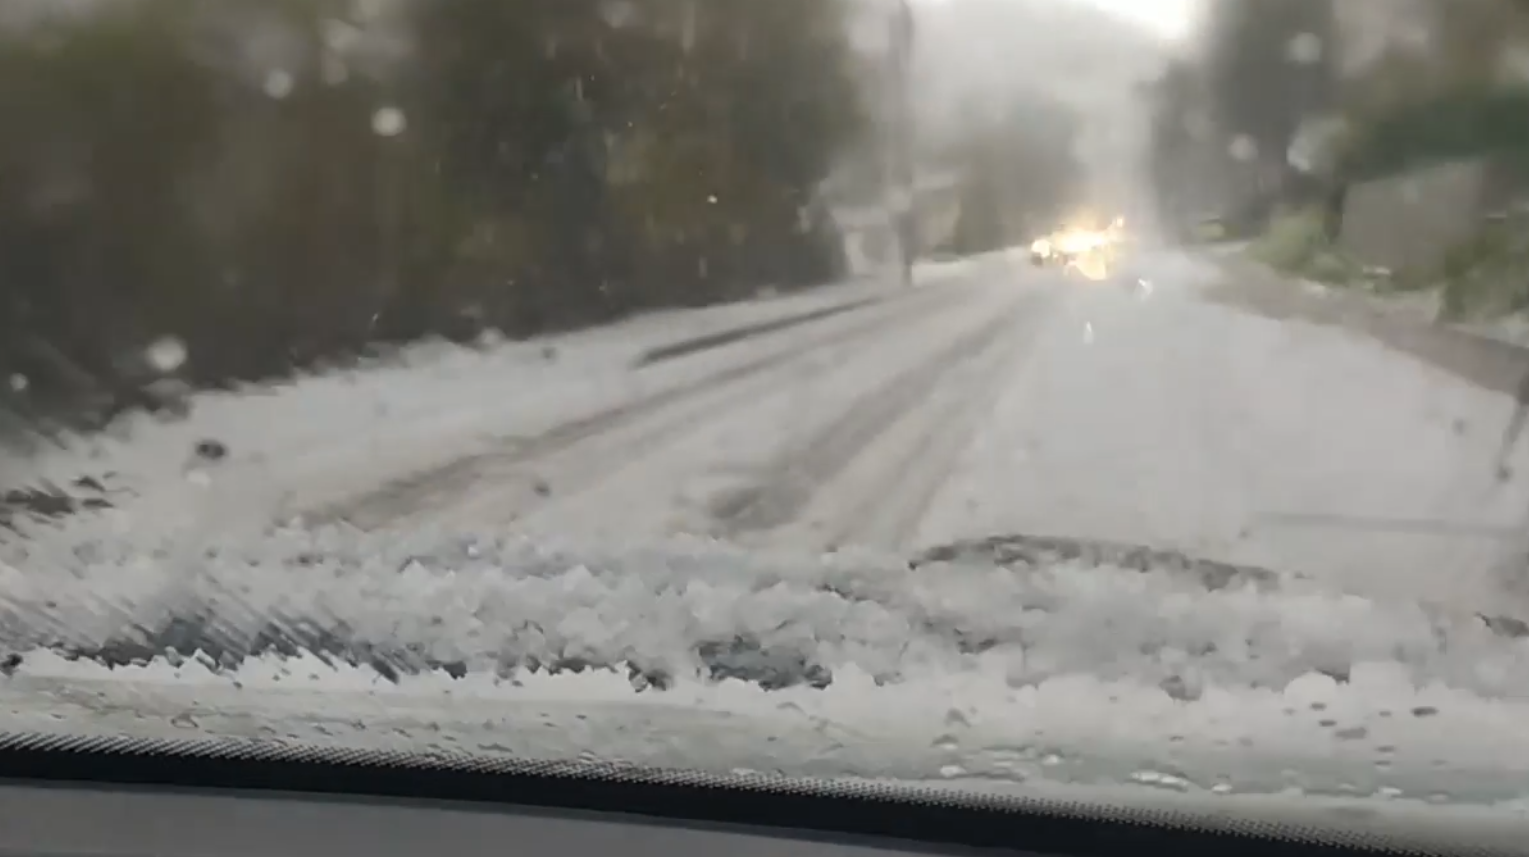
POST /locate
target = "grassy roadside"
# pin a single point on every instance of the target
(1487, 277)
(1482, 286)
(1297, 243)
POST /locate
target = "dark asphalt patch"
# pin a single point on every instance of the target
(687, 347)
(199, 638)
(47, 502)
(1036, 552)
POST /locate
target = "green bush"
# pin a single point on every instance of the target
(1488, 276)
(1293, 239)
(1297, 242)
(1459, 123)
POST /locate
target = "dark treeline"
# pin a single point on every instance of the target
(1226, 115)
(279, 182)
(1350, 95)
(1022, 173)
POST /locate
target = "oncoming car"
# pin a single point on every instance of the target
(1088, 250)
(1043, 252)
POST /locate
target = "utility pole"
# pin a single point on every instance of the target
(899, 148)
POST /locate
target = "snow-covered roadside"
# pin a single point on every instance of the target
(1422, 307)
(1068, 671)
(1426, 307)
(1173, 267)
(340, 431)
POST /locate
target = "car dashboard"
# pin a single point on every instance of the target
(100, 797)
(105, 823)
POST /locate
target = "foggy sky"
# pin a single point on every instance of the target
(983, 52)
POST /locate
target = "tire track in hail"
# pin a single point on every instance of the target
(402, 497)
(799, 473)
(510, 490)
(890, 508)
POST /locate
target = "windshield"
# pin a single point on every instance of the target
(1039, 391)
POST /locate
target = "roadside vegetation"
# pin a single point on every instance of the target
(1487, 277)
(1298, 242)
(1287, 129)
(271, 185)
